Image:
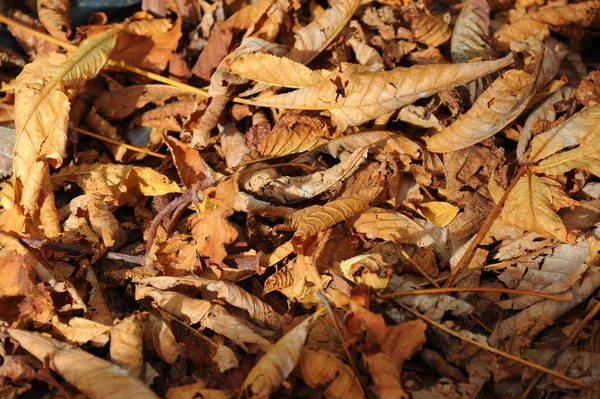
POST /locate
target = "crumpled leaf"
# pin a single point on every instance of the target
(191, 167)
(55, 15)
(159, 340)
(353, 98)
(279, 361)
(532, 205)
(426, 28)
(80, 331)
(386, 376)
(330, 214)
(84, 371)
(212, 232)
(471, 34)
(320, 368)
(545, 20)
(316, 36)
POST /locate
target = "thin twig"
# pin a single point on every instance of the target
(496, 351)
(119, 143)
(473, 289)
(538, 376)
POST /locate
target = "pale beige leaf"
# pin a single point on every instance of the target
(499, 105)
(316, 36)
(260, 312)
(290, 189)
(438, 213)
(56, 18)
(80, 331)
(319, 368)
(179, 305)
(585, 157)
(86, 372)
(545, 111)
(533, 204)
(568, 134)
(394, 226)
(546, 19)
(280, 360)
(354, 98)
(225, 358)
(330, 214)
(275, 71)
(366, 55)
(195, 391)
(471, 34)
(126, 345)
(221, 322)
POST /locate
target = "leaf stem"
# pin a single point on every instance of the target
(119, 143)
(473, 289)
(485, 227)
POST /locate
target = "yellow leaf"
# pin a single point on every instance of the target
(280, 360)
(470, 37)
(353, 98)
(320, 368)
(532, 205)
(440, 214)
(86, 372)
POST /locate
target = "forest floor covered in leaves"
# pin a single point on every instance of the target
(300, 198)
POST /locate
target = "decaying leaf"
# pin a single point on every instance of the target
(86, 372)
(470, 38)
(55, 14)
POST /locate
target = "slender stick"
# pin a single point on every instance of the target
(496, 351)
(119, 143)
(485, 227)
(473, 289)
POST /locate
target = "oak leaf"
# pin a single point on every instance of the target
(212, 232)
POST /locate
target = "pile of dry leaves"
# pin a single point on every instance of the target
(290, 198)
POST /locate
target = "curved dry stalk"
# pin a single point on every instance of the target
(120, 144)
(566, 343)
(439, 290)
(494, 350)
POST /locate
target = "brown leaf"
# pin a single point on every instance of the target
(55, 15)
(343, 94)
(212, 232)
(471, 34)
(426, 28)
(84, 371)
(191, 167)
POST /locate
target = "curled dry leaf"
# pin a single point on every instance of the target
(470, 38)
(191, 167)
(84, 371)
(426, 28)
(546, 19)
(320, 368)
(317, 35)
(55, 16)
(160, 340)
(353, 98)
(532, 205)
(212, 232)
(41, 113)
(279, 361)
(330, 214)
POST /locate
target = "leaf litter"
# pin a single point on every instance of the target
(262, 199)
